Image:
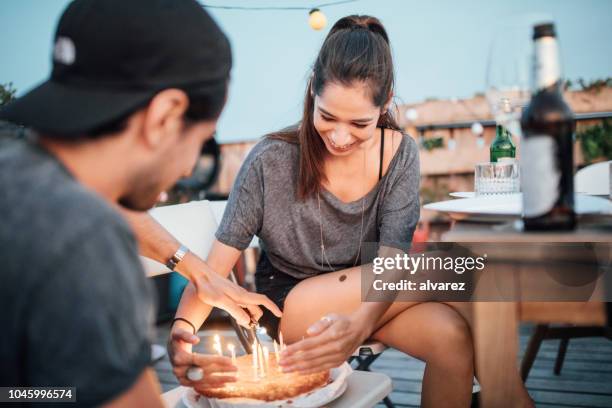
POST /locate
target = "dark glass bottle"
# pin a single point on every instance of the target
(502, 145)
(547, 162)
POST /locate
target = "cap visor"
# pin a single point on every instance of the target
(60, 109)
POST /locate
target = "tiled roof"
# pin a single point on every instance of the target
(476, 108)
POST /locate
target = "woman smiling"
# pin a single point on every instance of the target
(316, 192)
(313, 194)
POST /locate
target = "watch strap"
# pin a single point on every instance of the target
(177, 257)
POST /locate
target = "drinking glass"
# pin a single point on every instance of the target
(497, 178)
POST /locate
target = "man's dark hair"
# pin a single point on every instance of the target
(203, 105)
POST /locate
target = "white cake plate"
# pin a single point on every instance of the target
(313, 399)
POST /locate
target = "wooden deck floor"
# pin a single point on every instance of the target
(585, 381)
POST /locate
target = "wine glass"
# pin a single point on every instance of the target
(509, 65)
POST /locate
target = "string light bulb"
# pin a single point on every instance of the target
(478, 130)
(411, 114)
(316, 19)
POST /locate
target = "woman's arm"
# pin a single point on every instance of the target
(221, 259)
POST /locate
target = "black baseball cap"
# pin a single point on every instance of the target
(110, 57)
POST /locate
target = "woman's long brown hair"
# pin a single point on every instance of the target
(356, 49)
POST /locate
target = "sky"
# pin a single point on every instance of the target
(440, 49)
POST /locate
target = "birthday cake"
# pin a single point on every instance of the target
(268, 383)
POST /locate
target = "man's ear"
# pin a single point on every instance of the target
(163, 117)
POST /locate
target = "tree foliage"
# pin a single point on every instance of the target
(7, 93)
(596, 141)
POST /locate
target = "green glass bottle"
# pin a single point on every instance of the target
(502, 145)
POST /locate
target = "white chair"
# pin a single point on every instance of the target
(193, 224)
(593, 179)
(365, 355)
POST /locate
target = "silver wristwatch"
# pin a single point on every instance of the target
(177, 257)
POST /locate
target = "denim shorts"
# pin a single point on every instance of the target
(276, 285)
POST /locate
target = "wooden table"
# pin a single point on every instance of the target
(364, 390)
(496, 323)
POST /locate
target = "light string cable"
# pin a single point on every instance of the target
(260, 8)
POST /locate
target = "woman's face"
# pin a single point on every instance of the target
(345, 117)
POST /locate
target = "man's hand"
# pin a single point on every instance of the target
(220, 292)
(330, 342)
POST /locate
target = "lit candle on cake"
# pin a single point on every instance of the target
(282, 343)
(262, 370)
(255, 365)
(232, 350)
(276, 352)
(217, 345)
(266, 354)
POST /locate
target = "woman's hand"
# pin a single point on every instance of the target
(216, 370)
(215, 290)
(331, 341)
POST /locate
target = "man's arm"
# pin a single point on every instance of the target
(145, 392)
(157, 243)
(154, 240)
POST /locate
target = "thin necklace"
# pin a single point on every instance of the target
(323, 252)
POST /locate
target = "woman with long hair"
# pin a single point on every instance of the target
(314, 194)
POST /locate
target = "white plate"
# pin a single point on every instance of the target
(318, 398)
(462, 194)
(509, 206)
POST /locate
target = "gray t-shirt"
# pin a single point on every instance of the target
(263, 202)
(75, 307)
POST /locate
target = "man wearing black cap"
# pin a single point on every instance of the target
(136, 89)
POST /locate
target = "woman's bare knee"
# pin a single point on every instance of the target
(428, 331)
(333, 294)
(452, 336)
